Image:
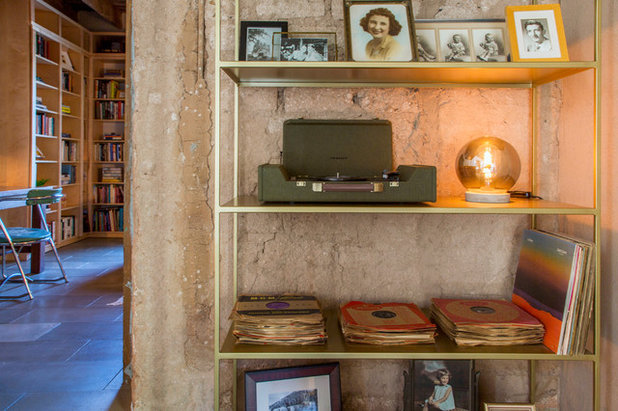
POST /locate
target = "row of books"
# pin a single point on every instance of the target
(67, 82)
(551, 303)
(67, 175)
(112, 136)
(42, 47)
(111, 174)
(68, 227)
(108, 151)
(69, 150)
(108, 219)
(109, 193)
(45, 124)
(109, 89)
(109, 110)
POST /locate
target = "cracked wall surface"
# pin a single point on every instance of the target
(336, 257)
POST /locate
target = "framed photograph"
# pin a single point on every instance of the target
(537, 33)
(462, 40)
(380, 30)
(256, 40)
(443, 385)
(508, 407)
(311, 387)
(307, 46)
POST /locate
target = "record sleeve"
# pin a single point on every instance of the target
(394, 317)
(483, 312)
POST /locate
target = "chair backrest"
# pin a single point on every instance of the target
(44, 196)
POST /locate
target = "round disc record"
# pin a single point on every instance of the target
(483, 311)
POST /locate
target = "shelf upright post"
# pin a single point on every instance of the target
(216, 217)
(597, 203)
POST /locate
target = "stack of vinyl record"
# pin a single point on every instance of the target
(385, 324)
(486, 322)
(283, 319)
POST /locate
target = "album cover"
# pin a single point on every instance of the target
(276, 305)
(551, 272)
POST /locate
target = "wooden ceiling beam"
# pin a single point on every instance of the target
(106, 9)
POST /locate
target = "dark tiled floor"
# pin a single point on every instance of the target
(63, 350)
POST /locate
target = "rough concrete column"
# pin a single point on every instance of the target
(170, 221)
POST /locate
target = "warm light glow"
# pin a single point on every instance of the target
(488, 167)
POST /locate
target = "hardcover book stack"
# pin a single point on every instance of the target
(486, 322)
(385, 324)
(282, 320)
(555, 283)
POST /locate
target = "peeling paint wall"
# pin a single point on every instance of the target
(336, 257)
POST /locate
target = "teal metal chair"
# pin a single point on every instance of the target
(14, 238)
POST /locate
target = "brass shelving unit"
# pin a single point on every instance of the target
(370, 74)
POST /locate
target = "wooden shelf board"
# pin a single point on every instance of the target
(108, 56)
(44, 60)
(44, 110)
(108, 204)
(348, 74)
(337, 348)
(108, 162)
(46, 162)
(70, 139)
(70, 116)
(70, 207)
(70, 93)
(108, 99)
(100, 182)
(109, 120)
(41, 84)
(117, 78)
(108, 141)
(44, 136)
(444, 205)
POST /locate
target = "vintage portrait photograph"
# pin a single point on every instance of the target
(256, 40)
(380, 31)
(306, 388)
(427, 45)
(455, 45)
(443, 385)
(537, 33)
(508, 407)
(304, 49)
(489, 44)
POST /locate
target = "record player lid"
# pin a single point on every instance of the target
(361, 148)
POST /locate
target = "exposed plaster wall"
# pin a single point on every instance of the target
(351, 256)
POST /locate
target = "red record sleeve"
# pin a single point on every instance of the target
(387, 316)
(483, 312)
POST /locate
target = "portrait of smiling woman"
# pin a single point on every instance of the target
(380, 31)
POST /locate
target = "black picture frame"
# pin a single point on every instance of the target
(463, 381)
(266, 29)
(264, 388)
(364, 45)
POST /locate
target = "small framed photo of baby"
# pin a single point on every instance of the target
(443, 385)
(380, 30)
(537, 33)
(508, 407)
(462, 40)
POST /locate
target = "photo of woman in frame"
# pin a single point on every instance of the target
(380, 31)
(443, 385)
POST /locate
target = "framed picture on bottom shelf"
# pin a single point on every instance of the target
(311, 387)
(444, 385)
(508, 407)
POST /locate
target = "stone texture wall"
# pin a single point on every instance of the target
(337, 257)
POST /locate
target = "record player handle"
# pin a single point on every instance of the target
(352, 187)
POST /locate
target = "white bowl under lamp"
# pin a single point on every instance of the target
(488, 167)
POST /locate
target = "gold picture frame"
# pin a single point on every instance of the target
(365, 37)
(537, 33)
(508, 407)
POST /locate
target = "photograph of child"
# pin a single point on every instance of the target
(441, 385)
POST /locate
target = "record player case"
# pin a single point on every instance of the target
(342, 161)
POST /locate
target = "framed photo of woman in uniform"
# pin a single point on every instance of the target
(380, 30)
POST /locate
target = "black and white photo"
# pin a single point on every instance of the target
(426, 44)
(256, 40)
(455, 45)
(489, 44)
(537, 33)
(304, 49)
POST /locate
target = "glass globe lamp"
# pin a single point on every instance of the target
(488, 167)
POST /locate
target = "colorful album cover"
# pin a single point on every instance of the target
(483, 312)
(386, 316)
(547, 268)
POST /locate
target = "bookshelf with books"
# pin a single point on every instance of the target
(57, 115)
(107, 89)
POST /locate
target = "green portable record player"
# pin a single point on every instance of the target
(342, 161)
